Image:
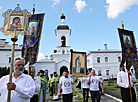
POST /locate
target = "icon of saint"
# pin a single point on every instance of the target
(127, 42)
(77, 64)
(16, 23)
(31, 29)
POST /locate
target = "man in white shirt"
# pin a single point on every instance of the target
(123, 82)
(65, 83)
(85, 88)
(102, 80)
(37, 84)
(94, 82)
(22, 86)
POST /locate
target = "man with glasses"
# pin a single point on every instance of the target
(22, 86)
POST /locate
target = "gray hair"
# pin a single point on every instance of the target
(15, 61)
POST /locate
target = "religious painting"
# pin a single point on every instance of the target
(127, 40)
(16, 21)
(32, 28)
(78, 63)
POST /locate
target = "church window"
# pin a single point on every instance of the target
(119, 59)
(107, 72)
(63, 52)
(106, 59)
(99, 72)
(98, 59)
(63, 41)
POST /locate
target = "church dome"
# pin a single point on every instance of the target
(62, 16)
(63, 27)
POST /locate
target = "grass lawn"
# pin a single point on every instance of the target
(80, 96)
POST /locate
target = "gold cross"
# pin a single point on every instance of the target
(128, 51)
(135, 59)
(28, 41)
(34, 52)
(62, 10)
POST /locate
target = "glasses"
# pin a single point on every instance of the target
(20, 65)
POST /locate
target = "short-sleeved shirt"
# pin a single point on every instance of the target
(84, 82)
(66, 85)
(102, 79)
(94, 83)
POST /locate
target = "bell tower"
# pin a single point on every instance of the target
(63, 37)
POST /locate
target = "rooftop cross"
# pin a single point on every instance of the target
(62, 10)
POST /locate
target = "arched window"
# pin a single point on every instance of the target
(63, 41)
(119, 59)
(63, 52)
(106, 59)
(98, 59)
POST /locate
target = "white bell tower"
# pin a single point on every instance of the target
(63, 37)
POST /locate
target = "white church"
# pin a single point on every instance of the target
(105, 61)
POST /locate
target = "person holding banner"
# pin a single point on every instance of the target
(22, 86)
(94, 81)
(65, 84)
(85, 88)
(122, 81)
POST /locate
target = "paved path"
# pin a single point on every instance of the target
(104, 98)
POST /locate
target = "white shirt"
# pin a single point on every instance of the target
(101, 78)
(66, 85)
(84, 82)
(122, 79)
(25, 88)
(37, 84)
(94, 83)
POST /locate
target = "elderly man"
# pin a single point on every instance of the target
(37, 84)
(22, 86)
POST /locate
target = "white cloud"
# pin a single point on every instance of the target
(40, 55)
(79, 4)
(91, 9)
(55, 2)
(117, 7)
(0, 7)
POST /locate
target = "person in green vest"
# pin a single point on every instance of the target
(42, 93)
(54, 85)
(50, 90)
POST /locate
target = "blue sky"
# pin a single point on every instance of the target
(93, 22)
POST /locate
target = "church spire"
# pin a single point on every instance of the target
(62, 17)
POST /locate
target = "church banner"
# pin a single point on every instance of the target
(78, 63)
(32, 38)
(129, 51)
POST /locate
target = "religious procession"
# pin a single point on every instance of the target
(49, 80)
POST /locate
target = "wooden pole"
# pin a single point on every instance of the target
(14, 39)
(130, 88)
(29, 69)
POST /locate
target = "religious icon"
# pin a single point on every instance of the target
(127, 40)
(16, 22)
(78, 60)
(32, 28)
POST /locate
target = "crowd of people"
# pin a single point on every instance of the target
(28, 88)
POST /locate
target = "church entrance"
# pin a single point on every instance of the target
(62, 69)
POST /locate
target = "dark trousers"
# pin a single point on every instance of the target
(34, 98)
(125, 94)
(85, 92)
(95, 95)
(67, 97)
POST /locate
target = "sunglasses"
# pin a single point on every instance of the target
(20, 64)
